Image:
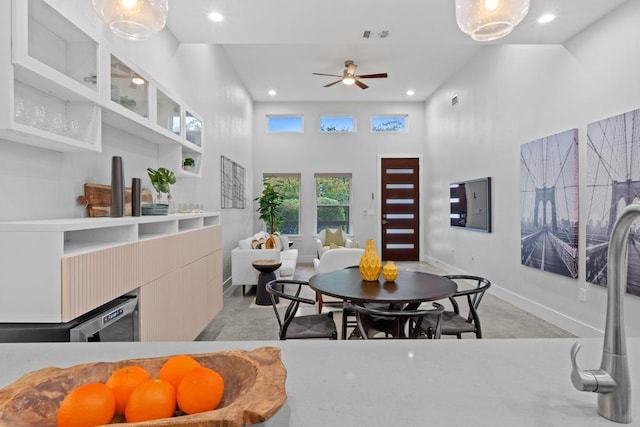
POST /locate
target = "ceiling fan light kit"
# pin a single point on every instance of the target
(133, 19)
(349, 76)
(486, 20)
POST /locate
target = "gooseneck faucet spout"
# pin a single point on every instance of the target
(611, 381)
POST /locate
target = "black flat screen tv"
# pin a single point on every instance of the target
(470, 203)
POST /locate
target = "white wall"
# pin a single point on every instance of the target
(510, 95)
(312, 152)
(37, 183)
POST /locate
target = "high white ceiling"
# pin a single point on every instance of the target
(277, 44)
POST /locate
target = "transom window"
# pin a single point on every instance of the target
(389, 123)
(289, 186)
(284, 124)
(334, 124)
(333, 201)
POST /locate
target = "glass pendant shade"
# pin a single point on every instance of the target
(486, 20)
(133, 19)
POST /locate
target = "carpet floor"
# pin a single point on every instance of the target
(242, 320)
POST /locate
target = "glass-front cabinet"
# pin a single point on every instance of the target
(193, 128)
(52, 87)
(168, 113)
(128, 88)
(59, 84)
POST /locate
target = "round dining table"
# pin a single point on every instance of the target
(410, 287)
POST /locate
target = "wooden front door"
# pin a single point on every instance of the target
(400, 207)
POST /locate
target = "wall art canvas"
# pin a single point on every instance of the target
(549, 203)
(233, 184)
(613, 182)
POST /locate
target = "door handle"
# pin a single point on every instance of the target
(384, 221)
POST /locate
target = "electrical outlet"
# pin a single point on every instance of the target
(582, 295)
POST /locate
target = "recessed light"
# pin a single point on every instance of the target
(137, 80)
(216, 17)
(272, 92)
(545, 19)
(410, 92)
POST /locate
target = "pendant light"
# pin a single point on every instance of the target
(486, 20)
(133, 19)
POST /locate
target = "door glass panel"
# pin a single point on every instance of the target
(400, 231)
(400, 246)
(400, 201)
(399, 216)
(399, 186)
(399, 171)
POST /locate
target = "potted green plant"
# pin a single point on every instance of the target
(161, 179)
(188, 163)
(270, 205)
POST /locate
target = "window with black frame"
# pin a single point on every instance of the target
(333, 201)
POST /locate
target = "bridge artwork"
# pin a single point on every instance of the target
(613, 182)
(549, 203)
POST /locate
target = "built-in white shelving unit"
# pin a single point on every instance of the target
(62, 84)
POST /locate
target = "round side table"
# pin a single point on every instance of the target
(267, 268)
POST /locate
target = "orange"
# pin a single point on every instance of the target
(123, 381)
(88, 405)
(200, 390)
(177, 367)
(151, 400)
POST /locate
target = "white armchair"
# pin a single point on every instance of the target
(323, 241)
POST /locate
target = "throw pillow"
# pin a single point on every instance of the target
(334, 237)
(334, 246)
(257, 244)
(277, 241)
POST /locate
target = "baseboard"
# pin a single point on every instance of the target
(554, 317)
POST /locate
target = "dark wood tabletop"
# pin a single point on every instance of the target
(409, 287)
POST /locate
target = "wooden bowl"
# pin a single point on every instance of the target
(254, 390)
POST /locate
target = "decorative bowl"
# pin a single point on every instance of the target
(254, 390)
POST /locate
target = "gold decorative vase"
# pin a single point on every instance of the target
(390, 271)
(370, 262)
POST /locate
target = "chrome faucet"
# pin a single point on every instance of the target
(611, 381)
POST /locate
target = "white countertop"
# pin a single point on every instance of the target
(508, 382)
(67, 224)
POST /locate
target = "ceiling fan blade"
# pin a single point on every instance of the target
(361, 85)
(322, 74)
(331, 84)
(373, 76)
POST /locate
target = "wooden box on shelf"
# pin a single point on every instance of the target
(97, 199)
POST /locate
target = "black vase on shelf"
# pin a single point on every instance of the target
(135, 196)
(117, 187)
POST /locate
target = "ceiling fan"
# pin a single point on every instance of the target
(349, 76)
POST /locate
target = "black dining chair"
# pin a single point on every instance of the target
(299, 327)
(455, 323)
(374, 320)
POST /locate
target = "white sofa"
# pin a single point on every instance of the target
(322, 246)
(243, 273)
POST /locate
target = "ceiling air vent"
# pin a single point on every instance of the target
(375, 34)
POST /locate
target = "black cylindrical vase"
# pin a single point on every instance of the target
(135, 196)
(117, 187)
